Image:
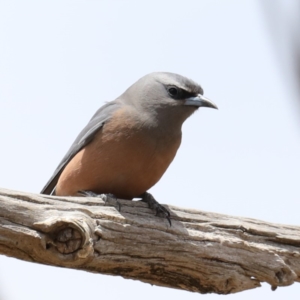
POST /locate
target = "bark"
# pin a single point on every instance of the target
(201, 252)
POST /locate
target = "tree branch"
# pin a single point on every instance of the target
(201, 252)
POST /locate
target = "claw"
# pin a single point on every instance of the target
(159, 209)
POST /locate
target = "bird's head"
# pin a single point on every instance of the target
(167, 96)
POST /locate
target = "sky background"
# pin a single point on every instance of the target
(61, 60)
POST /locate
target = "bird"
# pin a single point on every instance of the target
(130, 142)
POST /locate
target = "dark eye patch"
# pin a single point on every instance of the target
(173, 91)
(178, 93)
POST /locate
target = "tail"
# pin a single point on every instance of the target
(49, 188)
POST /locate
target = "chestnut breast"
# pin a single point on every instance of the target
(125, 158)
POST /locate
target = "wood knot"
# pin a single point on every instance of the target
(67, 240)
(70, 235)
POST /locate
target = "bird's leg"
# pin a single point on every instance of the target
(104, 197)
(153, 204)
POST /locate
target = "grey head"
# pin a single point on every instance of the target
(166, 96)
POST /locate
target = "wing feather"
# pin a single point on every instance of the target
(85, 137)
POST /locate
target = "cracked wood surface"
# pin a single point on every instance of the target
(201, 252)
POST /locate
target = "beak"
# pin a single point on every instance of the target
(199, 101)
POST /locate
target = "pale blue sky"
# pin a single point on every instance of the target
(61, 60)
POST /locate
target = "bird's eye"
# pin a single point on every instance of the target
(173, 91)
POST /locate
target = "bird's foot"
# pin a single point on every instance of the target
(161, 211)
(104, 197)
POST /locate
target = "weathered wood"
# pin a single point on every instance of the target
(201, 252)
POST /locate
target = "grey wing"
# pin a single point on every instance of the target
(102, 115)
